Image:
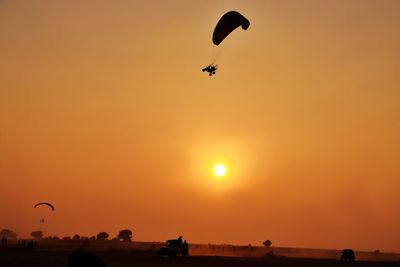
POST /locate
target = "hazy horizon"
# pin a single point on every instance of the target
(105, 112)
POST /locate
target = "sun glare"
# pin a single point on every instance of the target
(220, 170)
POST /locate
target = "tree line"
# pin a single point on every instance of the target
(125, 235)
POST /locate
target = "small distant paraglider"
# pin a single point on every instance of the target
(229, 22)
(44, 204)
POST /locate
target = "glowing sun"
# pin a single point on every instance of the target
(220, 170)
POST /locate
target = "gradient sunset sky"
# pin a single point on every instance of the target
(104, 112)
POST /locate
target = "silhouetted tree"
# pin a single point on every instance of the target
(66, 238)
(125, 235)
(92, 238)
(8, 233)
(115, 239)
(37, 234)
(267, 243)
(76, 237)
(102, 236)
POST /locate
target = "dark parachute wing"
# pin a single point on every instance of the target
(227, 24)
(45, 203)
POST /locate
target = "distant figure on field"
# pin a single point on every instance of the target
(4, 241)
(180, 241)
(185, 249)
(347, 255)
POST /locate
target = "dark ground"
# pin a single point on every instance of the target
(59, 258)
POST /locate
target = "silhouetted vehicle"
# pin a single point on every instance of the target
(347, 255)
(211, 69)
(172, 248)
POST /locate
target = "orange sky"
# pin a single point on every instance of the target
(104, 111)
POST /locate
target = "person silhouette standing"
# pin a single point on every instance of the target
(185, 249)
(180, 242)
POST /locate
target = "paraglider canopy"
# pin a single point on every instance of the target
(227, 24)
(45, 203)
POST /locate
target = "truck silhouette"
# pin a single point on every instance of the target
(347, 255)
(172, 248)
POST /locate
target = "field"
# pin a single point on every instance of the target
(144, 254)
